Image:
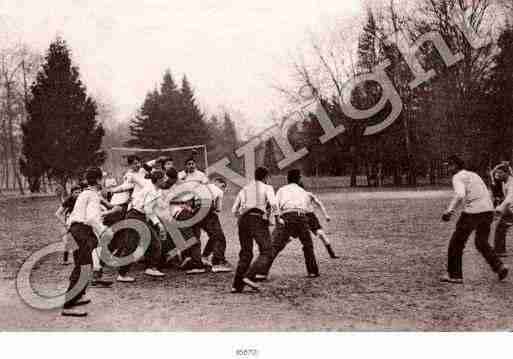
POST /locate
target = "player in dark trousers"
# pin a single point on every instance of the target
(477, 216)
(293, 204)
(63, 214)
(86, 227)
(503, 175)
(216, 244)
(250, 207)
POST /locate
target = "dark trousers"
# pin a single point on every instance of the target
(252, 227)
(86, 241)
(500, 232)
(194, 252)
(295, 226)
(130, 240)
(216, 243)
(468, 223)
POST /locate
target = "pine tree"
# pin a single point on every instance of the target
(169, 118)
(196, 128)
(61, 136)
(229, 133)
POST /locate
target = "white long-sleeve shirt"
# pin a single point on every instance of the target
(146, 200)
(196, 176)
(255, 195)
(470, 189)
(131, 181)
(293, 197)
(87, 210)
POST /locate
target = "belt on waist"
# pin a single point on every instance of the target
(297, 211)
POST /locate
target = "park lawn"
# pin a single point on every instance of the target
(392, 247)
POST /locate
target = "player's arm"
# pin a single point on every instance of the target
(60, 215)
(319, 204)
(237, 204)
(459, 195)
(219, 202)
(94, 216)
(501, 209)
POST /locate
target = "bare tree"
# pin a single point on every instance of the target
(18, 65)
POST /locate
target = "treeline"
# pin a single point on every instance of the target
(465, 108)
(171, 117)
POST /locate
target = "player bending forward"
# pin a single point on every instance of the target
(477, 216)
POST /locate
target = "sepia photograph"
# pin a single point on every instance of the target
(273, 166)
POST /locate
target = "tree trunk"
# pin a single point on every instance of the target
(10, 135)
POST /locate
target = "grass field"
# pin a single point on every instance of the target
(393, 250)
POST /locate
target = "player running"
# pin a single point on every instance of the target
(477, 215)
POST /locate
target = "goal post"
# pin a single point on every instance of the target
(115, 163)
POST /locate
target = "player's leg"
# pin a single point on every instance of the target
(301, 230)
(500, 233)
(464, 227)
(265, 251)
(154, 254)
(82, 257)
(212, 226)
(245, 254)
(316, 228)
(482, 245)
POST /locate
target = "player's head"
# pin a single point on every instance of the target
(190, 165)
(261, 174)
(455, 164)
(134, 162)
(172, 176)
(221, 183)
(94, 176)
(167, 163)
(157, 177)
(294, 176)
(75, 190)
(501, 173)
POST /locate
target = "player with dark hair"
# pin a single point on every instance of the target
(216, 244)
(191, 173)
(250, 207)
(293, 203)
(477, 216)
(86, 227)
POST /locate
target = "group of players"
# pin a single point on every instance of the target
(94, 206)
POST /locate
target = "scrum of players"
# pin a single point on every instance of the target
(155, 189)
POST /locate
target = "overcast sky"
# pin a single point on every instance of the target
(232, 51)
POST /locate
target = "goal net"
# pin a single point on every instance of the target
(116, 166)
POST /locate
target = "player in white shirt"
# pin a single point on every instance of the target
(293, 204)
(477, 215)
(191, 173)
(179, 201)
(252, 207)
(216, 245)
(86, 227)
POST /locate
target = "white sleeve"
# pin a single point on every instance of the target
(459, 193)
(94, 214)
(238, 202)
